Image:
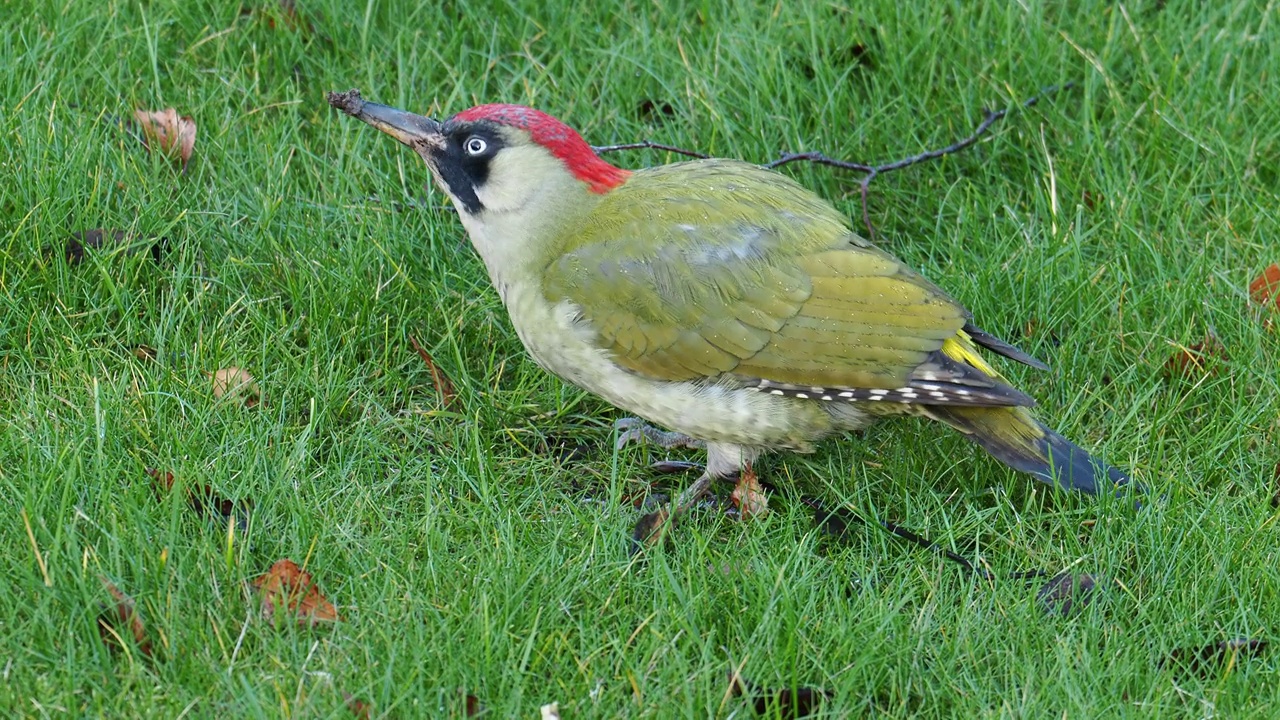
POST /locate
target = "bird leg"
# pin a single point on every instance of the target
(652, 528)
(632, 429)
(748, 495)
(723, 462)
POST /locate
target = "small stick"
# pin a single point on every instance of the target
(870, 172)
(846, 516)
(647, 145)
(444, 388)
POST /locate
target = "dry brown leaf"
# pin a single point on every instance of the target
(358, 707)
(1196, 360)
(165, 132)
(233, 383)
(205, 501)
(94, 239)
(650, 111)
(748, 496)
(292, 18)
(146, 353)
(1266, 286)
(1275, 499)
(120, 620)
(472, 704)
(290, 587)
(287, 11)
(81, 242)
(1205, 659)
(784, 703)
(1064, 593)
(164, 481)
(444, 388)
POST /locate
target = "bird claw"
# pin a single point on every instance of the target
(650, 530)
(748, 495)
(631, 429)
(671, 467)
(652, 527)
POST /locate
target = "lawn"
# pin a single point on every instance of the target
(476, 545)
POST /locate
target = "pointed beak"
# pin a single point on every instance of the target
(412, 130)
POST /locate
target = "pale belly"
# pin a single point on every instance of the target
(716, 412)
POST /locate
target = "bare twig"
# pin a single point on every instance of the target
(444, 388)
(838, 519)
(870, 172)
(647, 145)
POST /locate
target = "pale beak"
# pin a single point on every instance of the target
(412, 130)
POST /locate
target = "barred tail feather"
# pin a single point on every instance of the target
(1013, 436)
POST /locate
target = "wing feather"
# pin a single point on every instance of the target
(754, 280)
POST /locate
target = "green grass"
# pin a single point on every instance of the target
(462, 554)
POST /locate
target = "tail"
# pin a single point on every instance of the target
(1017, 439)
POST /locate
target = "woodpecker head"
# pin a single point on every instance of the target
(494, 158)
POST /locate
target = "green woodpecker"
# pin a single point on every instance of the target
(718, 299)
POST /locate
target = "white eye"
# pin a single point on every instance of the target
(475, 145)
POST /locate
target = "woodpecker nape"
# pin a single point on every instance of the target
(718, 299)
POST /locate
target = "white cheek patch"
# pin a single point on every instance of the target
(516, 175)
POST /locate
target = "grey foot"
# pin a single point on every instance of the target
(632, 429)
(652, 528)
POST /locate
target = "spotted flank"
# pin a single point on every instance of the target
(918, 392)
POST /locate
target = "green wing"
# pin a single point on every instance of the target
(719, 269)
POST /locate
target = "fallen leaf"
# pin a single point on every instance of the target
(650, 530)
(358, 707)
(748, 496)
(290, 587)
(205, 501)
(164, 481)
(81, 241)
(565, 449)
(94, 239)
(236, 383)
(444, 388)
(1066, 592)
(146, 353)
(858, 54)
(122, 619)
(1275, 499)
(1195, 361)
(167, 133)
(786, 703)
(1204, 659)
(649, 110)
(471, 704)
(1266, 286)
(550, 711)
(287, 10)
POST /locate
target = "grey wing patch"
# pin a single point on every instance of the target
(938, 381)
